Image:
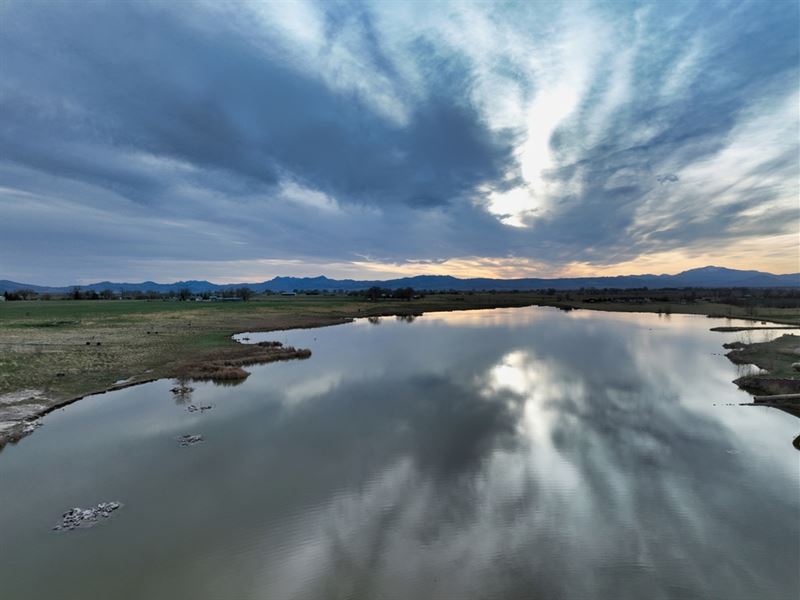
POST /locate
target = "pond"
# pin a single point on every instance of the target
(503, 454)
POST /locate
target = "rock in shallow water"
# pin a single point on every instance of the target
(190, 439)
(182, 390)
(86, 517)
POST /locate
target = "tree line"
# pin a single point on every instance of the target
(77, 293)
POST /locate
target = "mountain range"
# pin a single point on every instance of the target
(701, 277)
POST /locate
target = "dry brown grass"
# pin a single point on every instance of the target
(230, 368)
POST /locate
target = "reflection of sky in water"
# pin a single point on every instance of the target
(520, 453)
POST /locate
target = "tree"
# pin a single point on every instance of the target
(107, 294)
(404, 293)
(374, 292)
(25, 293)
(76, 293)
(184, 294)
(245, 293)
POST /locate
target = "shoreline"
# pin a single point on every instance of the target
(232, 354)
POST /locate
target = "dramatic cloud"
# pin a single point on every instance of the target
(237, 140)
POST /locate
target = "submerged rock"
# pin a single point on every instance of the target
(190, 439)
(182, 390)
(86, 517)
(202, 408)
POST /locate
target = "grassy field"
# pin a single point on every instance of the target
(64, 349)
(75, 347)
(58, 350)
(776, 357)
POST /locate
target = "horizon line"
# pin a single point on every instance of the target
(321, 276)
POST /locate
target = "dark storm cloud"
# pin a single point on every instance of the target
(145, 80)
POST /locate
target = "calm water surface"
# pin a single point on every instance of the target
(506, 454)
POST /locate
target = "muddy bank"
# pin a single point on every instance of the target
(778, 360)
(20, 411)
(766, 385)
(778, 385)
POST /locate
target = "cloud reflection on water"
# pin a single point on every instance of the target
(558, 456)
(510, 454)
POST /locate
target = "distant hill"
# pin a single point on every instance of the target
(702, 277)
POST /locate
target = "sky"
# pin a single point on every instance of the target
(238, 141)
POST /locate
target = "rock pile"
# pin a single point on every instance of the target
(202, 408)
(190, 439)
(86, 517)
(31, 426)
